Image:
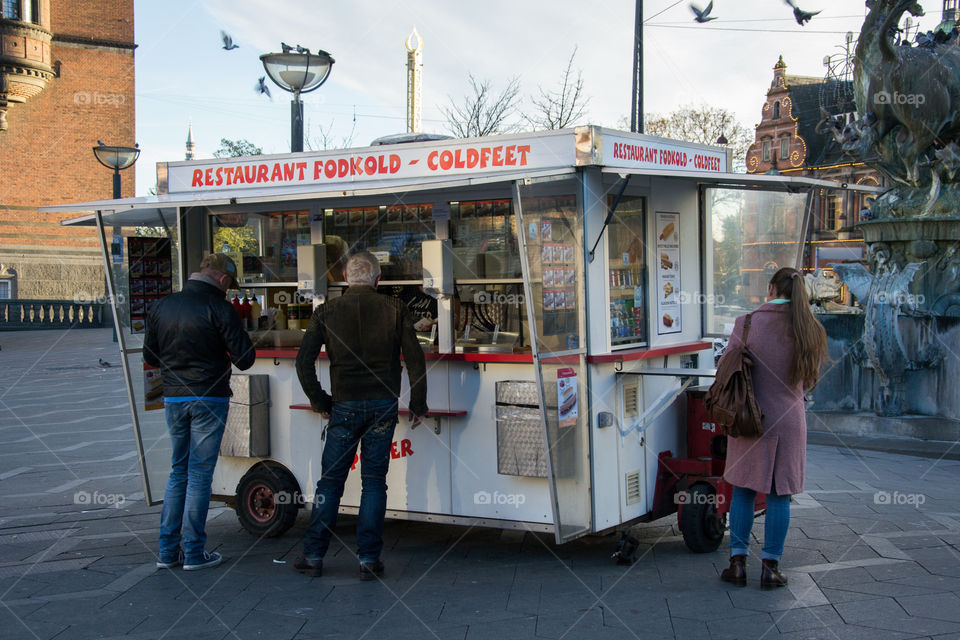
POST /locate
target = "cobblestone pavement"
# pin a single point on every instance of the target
(873, 550)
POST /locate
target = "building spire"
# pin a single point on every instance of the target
(414, 44)
(189, 154)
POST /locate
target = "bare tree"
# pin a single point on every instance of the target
(563, 106)
(482, 113)
(325, 139)
(703, 124)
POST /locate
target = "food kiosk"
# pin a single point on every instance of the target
(565, 286)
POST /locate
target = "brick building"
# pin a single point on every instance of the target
(66, 81)
(787, 142)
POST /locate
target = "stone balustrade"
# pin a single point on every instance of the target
(19, 315)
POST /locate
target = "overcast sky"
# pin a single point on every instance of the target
(183, 75)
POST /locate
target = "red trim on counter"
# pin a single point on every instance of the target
(280, 353)
(291, 353)
(497, 357)
(644, 353)
(439, 413)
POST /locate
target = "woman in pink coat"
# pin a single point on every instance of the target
(788, 345)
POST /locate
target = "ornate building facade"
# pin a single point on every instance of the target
(66, 81)
(787, 142)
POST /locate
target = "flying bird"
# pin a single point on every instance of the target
(285, 47)
(801, 16)
(702, 15)
(228, 41)
(261, 87)
(104, 363)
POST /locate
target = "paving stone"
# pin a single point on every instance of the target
(808, 618)
(575, 623)
(857, 612)
(847, 632)
(941, 606)
(754, 625)
(897, 571)
(838, 577)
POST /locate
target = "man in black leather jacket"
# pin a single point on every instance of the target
(193, 336)
(364, 332)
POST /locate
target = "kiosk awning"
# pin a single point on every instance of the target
(762, 181)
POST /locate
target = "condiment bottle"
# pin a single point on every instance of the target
(255, 313)
(236, 305)
(293, 316)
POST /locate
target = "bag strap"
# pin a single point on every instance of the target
(746, 329)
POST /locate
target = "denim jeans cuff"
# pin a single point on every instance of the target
(739, 551)
(770, 556)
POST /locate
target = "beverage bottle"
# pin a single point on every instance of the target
(255, 312)
(245, 310)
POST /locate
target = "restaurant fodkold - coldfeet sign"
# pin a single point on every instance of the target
(451, 158)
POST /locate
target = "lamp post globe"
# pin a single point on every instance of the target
(116, 158)
(297, 72)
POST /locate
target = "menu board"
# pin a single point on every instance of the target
(668, 273)
(150, 277)
(559, 274)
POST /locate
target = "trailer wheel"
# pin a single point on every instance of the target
(268, 498)
(701, 525)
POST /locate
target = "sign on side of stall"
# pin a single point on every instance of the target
(649, 154)
(567, 397)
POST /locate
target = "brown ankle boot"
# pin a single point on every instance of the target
(736, 574)
(770, 576)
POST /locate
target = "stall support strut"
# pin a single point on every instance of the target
(613, 209)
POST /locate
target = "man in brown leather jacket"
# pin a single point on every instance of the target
(365, 333)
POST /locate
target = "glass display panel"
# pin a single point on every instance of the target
(263, 245)
(393, 233)
(627, 272)
(552, 242)
(484, 238)
(750, 234)
(490, 317)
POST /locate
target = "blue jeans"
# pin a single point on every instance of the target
(369, 423)
(776, 522)
(196, 428)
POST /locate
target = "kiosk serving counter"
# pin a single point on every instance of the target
(565, 285)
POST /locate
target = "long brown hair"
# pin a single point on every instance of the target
(809, 337)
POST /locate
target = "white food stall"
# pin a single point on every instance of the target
(565, 285)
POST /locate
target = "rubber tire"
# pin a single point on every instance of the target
(258, 511)
(702, 529)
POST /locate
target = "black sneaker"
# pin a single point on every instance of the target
(208, 561)
(371, 570)
(312, 567)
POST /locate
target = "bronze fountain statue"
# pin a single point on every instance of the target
(907, 96)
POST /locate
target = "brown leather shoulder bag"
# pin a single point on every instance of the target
(731, 400)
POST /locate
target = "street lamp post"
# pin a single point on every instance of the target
(116, 158)
(297, 72)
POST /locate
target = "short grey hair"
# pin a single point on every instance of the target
(362, 268)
